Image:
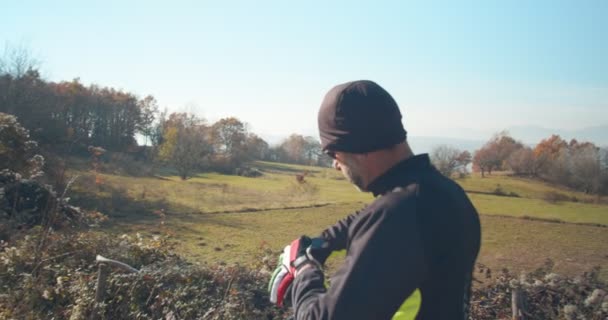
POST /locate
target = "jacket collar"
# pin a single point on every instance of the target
(400, 174)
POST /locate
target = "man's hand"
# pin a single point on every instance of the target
(297, 255)
(281, 278)
(319, 250)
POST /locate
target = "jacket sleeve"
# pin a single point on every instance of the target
(337, 234)
(385, 263)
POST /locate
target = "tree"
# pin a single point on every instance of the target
(574, 164)
(229, 141)
(302, 150)
(294, 147)
(158, 129)
(256, 147)
(68, 112)
(28, 98)
(604, 167)
(148, 110)
(464, 159)
(277, 154)
(485, 160)
(548, 150)
(505, 146)
(16, 60)
(603, 153)
(185, 144)
(585, 168)
(495, 152)
(523, 162)
(449, 160)
(312, 150)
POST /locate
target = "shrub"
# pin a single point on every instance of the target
(25, 203)
(499, 191)
(61, 282)
(547, 295)
(248, 172)
(15, 144)
(554, 197)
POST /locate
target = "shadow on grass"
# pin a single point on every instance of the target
(122, 209)
(281, 168)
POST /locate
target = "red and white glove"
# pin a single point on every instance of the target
(295, 256)
(281, 278)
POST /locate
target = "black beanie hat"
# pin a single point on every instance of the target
(359, 117)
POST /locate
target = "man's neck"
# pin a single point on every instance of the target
(379, 162)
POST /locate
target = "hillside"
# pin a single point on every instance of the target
(215, 217)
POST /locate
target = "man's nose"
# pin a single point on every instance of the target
(336, 165)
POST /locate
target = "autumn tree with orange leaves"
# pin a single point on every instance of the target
(573, 164)
(547, 150)
(494, 153)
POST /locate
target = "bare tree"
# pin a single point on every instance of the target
(449, 160)
(16, 60)
(523, 162)
(444, 159)
(586, 169)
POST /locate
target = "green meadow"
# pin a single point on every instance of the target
(213, 217)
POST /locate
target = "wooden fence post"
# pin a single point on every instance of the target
(517, 303)
(102, 275)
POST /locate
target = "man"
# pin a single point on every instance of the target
(421, 234)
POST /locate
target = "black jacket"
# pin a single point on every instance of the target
(421, 232)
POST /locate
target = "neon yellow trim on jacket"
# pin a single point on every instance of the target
(410, 307)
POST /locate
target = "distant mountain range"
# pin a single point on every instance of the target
(421, 144)
(530, 135)
(471, 139)
(534, 134)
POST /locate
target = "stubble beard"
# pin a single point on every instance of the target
(352, 172)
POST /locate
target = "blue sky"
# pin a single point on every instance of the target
(471, 66)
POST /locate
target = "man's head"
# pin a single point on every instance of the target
(360, 127)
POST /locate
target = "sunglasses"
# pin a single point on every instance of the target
(331, 154)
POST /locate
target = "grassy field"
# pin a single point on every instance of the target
(214, 217)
